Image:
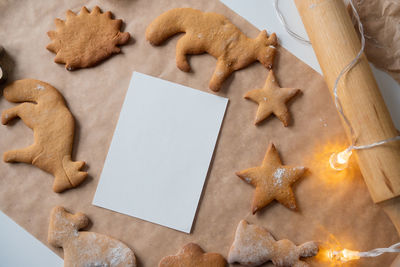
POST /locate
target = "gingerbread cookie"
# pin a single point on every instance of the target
(254, 245)
(272, 99)
(191, 255)
(82, 249)
(214, 34)
(85, 39)
(2, 73)
(272, 180)
(45, 112)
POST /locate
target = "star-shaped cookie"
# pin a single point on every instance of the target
(272, 99)
(191, 255)
(272, 180)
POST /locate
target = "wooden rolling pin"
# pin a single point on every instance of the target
(336, 44)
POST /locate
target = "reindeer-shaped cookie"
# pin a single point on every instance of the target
(254, 245)
(82, 249)
(214, 34)
(45, 112)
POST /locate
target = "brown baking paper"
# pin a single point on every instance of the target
(381, 21)
(329, 203)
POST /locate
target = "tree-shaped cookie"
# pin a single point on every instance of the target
(85, 39)
(83, 249)
(214, 34)
(254, 245)
(271, 99)
(191, 255)
(45, 112)
(272, 180)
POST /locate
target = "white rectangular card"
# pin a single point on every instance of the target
(18, 248)
(160, 153)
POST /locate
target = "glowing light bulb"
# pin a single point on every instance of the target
(339, 161)
(344, 255)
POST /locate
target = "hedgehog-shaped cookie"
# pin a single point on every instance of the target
(85, 39)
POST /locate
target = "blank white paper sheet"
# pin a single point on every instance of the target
(18, 248)
(161, 151)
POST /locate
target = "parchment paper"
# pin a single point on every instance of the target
(381, 21)
(329, 203)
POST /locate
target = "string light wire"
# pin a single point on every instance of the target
(347, 68)
(283, 21)
(379, 251)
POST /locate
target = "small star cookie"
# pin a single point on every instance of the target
(191, 255)
(272, 180)
(272, 99)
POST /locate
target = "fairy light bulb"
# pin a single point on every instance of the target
(344, 255)
(339, 256)
(340, 160)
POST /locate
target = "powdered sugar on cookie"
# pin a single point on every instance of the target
(278, 176)
(272, 181)
(254, 245)
(39, 87)
(86, 248)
